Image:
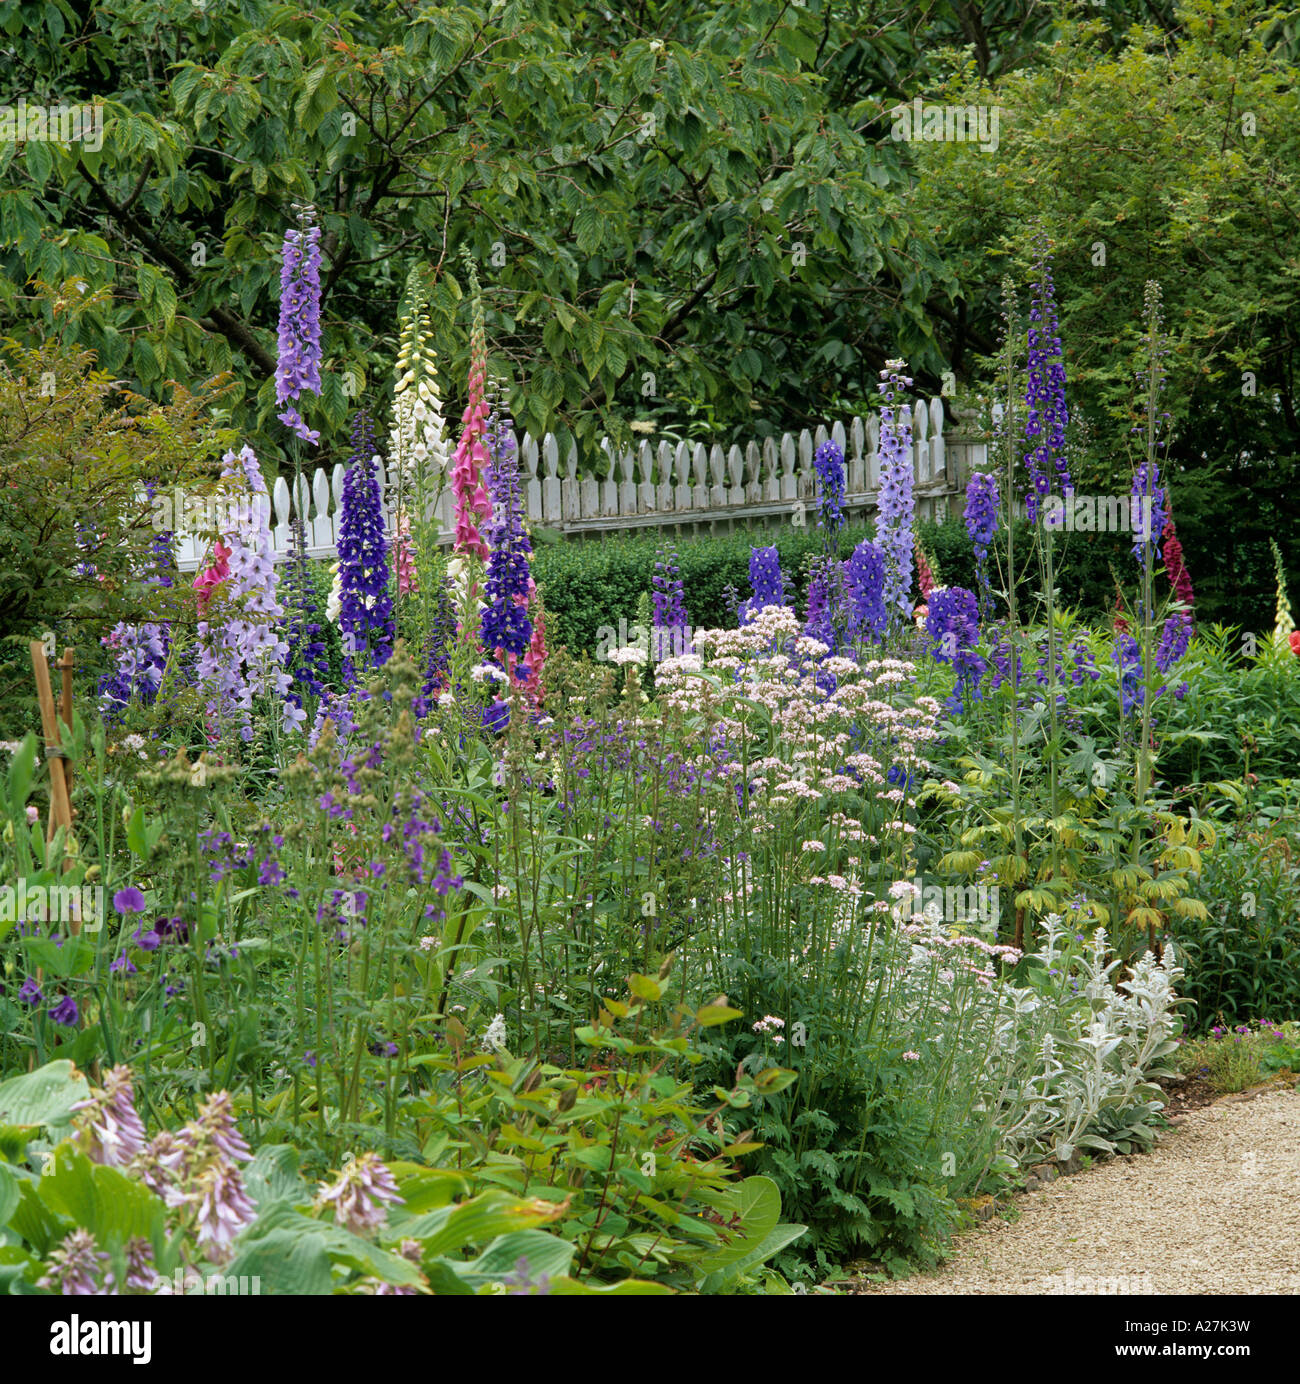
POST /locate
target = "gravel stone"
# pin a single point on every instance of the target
(1213, 1208)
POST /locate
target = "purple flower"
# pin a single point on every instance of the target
(147, 941)
(896, 505)
(507, 631)
(766, 579)
(366, 600)
(362, 1194)
(129, 900)
(865, 571)
(953, 627)
(1174, 640)
(982, 525)
(123, 963)
(109, 1129)
(74, 1267)
(306, 659)
(1148, 514)
(65, 1012)
(30, 992)
(298, 363)
(670, 599)
(828, 465)
(1046, 418)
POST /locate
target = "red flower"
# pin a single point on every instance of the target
(1294, 641)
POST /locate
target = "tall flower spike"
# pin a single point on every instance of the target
(828, 465)
(506, 630)
(1046, 417)
(298, 363)
(418, 450)
(247, 658)
(1176, 566)
(365, 600)
(767, 581)
(896, 505)
(1283, 624)
(472, 504)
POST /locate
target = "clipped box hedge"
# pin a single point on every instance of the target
(587, 583)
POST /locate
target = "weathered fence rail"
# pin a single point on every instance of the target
(691, 487)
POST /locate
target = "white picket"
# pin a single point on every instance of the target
(692, 485)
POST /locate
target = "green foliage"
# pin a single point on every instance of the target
(590, 584)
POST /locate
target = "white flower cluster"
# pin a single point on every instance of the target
(418, 449)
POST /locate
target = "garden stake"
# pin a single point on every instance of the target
(60, 803)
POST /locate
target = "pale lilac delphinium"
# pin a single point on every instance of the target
(298, 363)
(246, 659)
(896, 504)
(361, 1195)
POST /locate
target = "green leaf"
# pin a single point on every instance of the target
(102, 1200)
(43, 1097)
(285, 1262)
(10, 1194)
(758, 1202)
(589, 230)
(21, 769)
(546, 1254)
(711, 1015)
(474, 1222)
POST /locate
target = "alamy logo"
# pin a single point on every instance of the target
(53, 125)
(53, 903)
(947, 124)
(1099, 514)
(951, 903)
(76, 1337)
(644, 646)
(184, 512)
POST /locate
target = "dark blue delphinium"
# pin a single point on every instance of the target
(828, 464)
(953, 627)
(767, 581)
(865, 573)
(365, 602)
(506, 628)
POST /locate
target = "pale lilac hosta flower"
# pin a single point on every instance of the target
(196, 1169)
(298, 364)
(141, 1275)
(896, 505)
(223, 1209)
(109, 1129)
(362, 1194)
(75, 1267)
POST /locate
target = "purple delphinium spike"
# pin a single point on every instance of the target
(865, 571)
(982, 524)
(1046, 418)
(828, 466)
(298, 363)
(896, 505)
(670, 613)
(1148, 509)
(767, 581)
(366, 600)
(953, 627)
(506, 630)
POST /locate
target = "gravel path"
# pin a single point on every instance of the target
(1214, 1208)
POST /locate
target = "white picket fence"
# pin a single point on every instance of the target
(689, 487)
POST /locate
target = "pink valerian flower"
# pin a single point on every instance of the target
(361, 1194)
(109, 1130)
(74, 1269)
